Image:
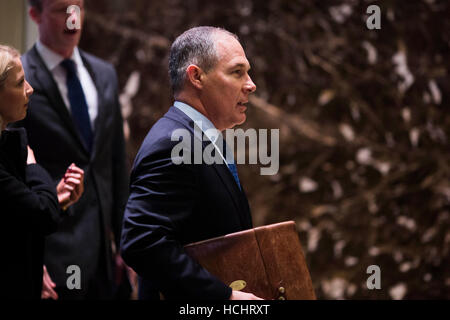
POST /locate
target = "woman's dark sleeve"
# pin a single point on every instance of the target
(32, 203)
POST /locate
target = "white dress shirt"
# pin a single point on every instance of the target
(52, 60)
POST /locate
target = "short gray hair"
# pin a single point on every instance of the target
(195, 46)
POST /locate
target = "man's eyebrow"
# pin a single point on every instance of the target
(241, 65)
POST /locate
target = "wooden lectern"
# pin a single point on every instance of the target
(267, 261)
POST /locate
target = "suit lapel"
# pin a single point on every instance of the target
(237, 194)
(46, 83)
(221, 169)
(244, 201)
(234, 191)
(99, 86)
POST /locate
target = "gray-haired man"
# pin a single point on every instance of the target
(174, 204)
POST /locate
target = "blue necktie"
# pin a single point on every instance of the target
(78, 103)
(233, 170)
(231, 165)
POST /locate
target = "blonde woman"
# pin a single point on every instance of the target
(30, 207)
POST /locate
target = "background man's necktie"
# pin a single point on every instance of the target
(78, 103)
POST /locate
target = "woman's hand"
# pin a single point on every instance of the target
(30, 156)
(48, 286)
(71, 187)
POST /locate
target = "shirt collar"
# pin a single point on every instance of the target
(205, 125)
(53, 59)
(200, 120)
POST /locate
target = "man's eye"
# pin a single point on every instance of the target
(20, 83)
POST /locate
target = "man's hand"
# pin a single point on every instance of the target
(71, 187)
(239, 295)
(47, 287)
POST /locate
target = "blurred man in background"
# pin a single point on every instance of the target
(74, 116)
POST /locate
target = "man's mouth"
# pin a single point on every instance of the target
(68, 31)
(242, 104)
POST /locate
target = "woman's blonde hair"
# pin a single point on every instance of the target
(7, 57)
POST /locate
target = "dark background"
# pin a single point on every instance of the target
(363, 117)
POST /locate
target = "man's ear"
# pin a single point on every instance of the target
(35, 14)
(195, 76)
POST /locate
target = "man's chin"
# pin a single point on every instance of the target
(241, 120)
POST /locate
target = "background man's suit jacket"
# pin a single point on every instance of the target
(84, 237)
(172, 205)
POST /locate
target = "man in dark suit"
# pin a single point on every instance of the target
(173, 202)
(74, 116)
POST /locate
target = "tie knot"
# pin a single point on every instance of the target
(69, 66)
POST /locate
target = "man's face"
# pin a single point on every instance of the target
(227, 85)
(52, 23)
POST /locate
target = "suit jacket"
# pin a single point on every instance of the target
(172, 205)
(29, 210)
(84, 237)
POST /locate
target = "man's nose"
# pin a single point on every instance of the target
(250, 86)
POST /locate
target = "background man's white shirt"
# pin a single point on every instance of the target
(53, 60)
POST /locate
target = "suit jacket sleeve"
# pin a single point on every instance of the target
(161, 199)
(34, 201)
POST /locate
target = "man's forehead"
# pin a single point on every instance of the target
(239, 62)
(230, 50)
(226, 43)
